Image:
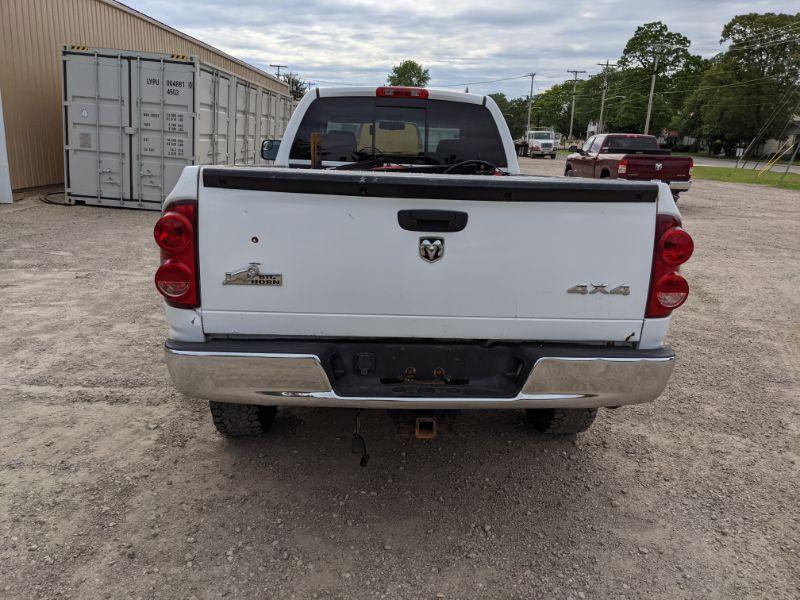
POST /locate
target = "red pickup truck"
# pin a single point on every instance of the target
(629, 156)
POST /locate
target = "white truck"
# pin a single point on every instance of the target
(537, 142)
(394, 257)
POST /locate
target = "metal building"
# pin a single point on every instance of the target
(32, 36)
(134, 120)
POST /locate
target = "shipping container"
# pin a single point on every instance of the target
(133, 120)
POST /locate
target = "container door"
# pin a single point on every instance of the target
(273, 116)
(213, 90)
(281, 125)
(164, 120)
(245, 126)
(264, 132)
(97, 110)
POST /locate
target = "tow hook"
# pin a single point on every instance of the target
(426, 428)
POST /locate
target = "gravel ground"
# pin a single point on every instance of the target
(113, 485)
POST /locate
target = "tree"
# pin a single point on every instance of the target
(640, 51)
(515, 112)
(297, 87)
(751, 88)
(409, 73)
(629, 87)
(551, 108)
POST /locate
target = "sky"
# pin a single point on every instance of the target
(461, 42)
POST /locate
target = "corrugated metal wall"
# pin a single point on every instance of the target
(32, 33)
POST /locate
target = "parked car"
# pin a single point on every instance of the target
(537, 142)
(364, 271)
(629, 156)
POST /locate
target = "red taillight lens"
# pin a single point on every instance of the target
(178, 279)
(173, 232)
(622, 167)
(675, 246)
(671, 291)
(672, 248)
(401, 92)
(174, 279)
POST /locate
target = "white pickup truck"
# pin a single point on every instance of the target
(394, 257)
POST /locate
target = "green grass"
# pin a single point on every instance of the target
(701, 155)
(770, 178)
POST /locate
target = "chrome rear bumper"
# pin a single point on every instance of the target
(680, 186)
(301, 380)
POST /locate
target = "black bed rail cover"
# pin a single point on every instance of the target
(513, 188)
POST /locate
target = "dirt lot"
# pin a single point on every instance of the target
(113, 485)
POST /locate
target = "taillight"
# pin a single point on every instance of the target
(676, 246)
(174, 279)
(673, 247)
(173, 232)
(622, 167)
(178, 277)
(691, 166)
(401, 92)
(671, 290)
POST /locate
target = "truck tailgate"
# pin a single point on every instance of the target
(348, 268)
(664, 168)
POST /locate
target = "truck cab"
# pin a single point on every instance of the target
(541, 142)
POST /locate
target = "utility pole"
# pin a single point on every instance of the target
(574, 87)
(606, 68)
(279, 67)
(657, 50)
(530, 100)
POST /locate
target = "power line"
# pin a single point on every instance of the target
(482, 82)
(764, 35)
(686, 90)
(725, 85)
(741, 48)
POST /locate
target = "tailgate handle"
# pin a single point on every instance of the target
(432, 220)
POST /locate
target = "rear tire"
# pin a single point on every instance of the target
(568, 172)
(241, 420)
(560, 421)
(552, 157)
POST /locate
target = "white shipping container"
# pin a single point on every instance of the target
(133, 120)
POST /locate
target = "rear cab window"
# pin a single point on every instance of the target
(412, 131)
(622, 144)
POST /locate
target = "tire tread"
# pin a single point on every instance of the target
(241, 420)
(561, 421)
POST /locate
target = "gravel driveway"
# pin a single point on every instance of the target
(113, 485)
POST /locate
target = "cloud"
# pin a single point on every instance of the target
(464, 41)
